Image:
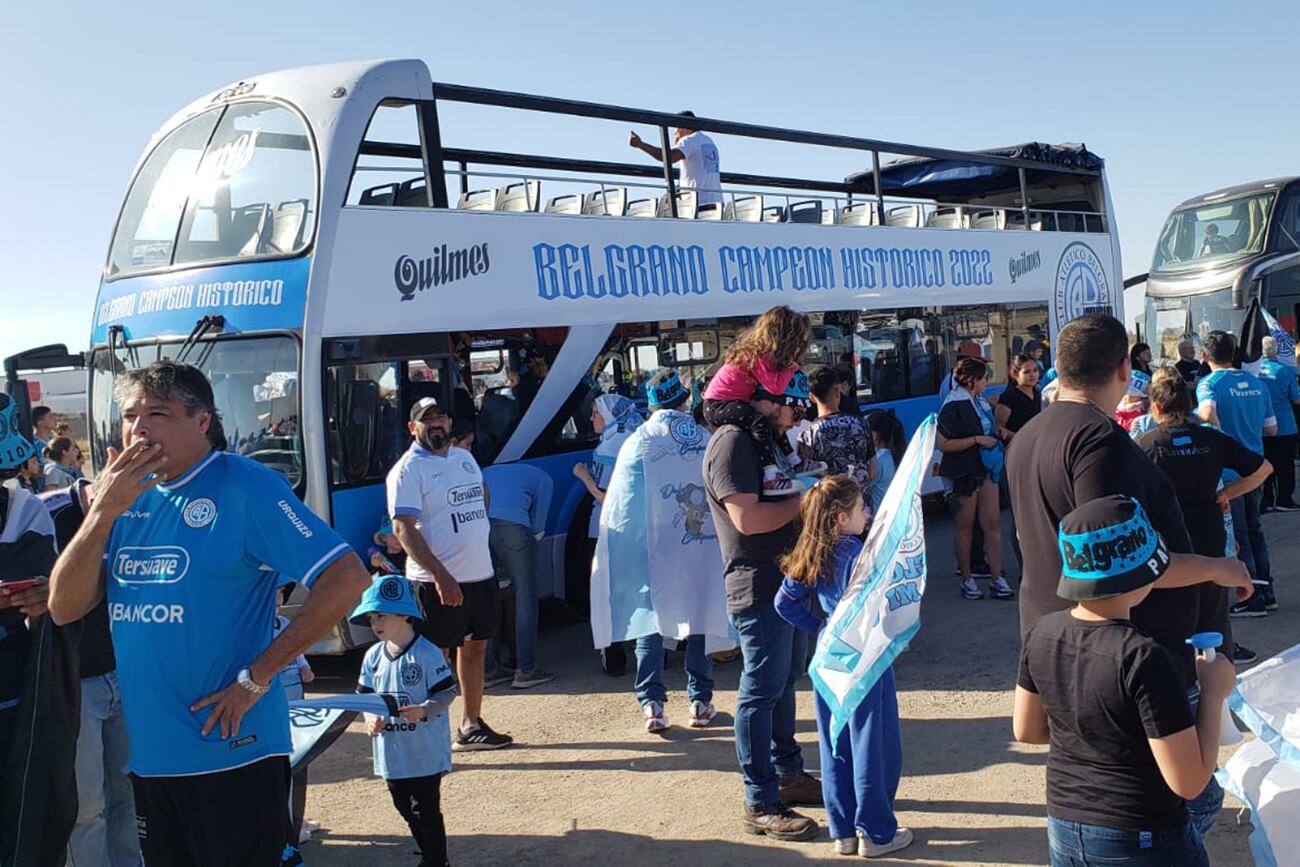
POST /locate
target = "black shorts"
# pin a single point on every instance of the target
(240, 816)
(475, 617)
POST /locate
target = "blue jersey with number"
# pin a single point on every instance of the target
(409, 749)
(191, 577)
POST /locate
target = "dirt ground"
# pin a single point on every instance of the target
(585, 784)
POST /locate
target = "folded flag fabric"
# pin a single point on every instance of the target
(880, 611)
(316, 723)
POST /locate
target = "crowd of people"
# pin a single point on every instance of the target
(734, 520)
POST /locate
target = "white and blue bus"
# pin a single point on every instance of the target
(314, 242)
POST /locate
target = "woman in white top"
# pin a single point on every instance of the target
(63, 467)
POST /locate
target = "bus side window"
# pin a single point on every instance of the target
(365, 427)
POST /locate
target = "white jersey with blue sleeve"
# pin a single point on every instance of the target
(290, 676)
(191, 577)
(408, 749)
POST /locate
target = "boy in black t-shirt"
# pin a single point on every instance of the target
(1126, 754)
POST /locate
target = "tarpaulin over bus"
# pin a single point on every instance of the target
(928, 178)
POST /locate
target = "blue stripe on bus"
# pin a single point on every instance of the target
(252, 296)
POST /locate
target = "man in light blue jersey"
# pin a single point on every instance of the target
(1280, 380)
(188, 542)
(1237, 403)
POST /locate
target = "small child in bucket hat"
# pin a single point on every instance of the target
(412, 750)
(1127, 749)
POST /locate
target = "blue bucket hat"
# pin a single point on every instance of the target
(15, 449)
(1108, 547)
(387, 594)
(385, 528)
(796, 393)
(665, 390)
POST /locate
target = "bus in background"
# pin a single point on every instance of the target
(294, 235)
(1216, 253)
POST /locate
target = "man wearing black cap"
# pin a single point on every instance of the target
(1127, 754)
(753, 533)
(438, 504)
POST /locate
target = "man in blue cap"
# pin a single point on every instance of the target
(38, 690)
(412, 748)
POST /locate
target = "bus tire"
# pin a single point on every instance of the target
(577, 561)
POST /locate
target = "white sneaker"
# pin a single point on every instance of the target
(846, 846)
(655, 720)
(869, 849)
(702, 713)
(308, 828)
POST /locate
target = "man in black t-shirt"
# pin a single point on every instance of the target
(753, 533)
(105, 831)
(1073, 452)
(1188, 364)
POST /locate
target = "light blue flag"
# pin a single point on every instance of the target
(880, 611)
(1265, 773)
(316, 723)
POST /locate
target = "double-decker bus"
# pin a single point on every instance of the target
(315, 242)
(1216, 253)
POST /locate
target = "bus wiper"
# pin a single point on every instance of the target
(118, 333)
(202, 327)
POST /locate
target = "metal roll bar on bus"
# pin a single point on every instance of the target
(432, 153)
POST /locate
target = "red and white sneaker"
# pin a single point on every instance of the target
(778, 483)
(655, 719)
(702, 713)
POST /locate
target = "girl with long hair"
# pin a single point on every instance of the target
(762, 360)
(887, 436)
(861, 768)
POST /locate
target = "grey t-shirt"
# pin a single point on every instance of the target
(731, 466)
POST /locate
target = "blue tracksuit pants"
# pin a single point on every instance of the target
(860, 783)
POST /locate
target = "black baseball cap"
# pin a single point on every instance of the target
(423, 405)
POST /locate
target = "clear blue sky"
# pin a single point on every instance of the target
(1179, 97)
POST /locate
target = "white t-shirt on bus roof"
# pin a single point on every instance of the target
(700, 168)
(445, 495)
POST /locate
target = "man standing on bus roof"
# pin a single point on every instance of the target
(699, 158)
(439, 507)
(188, 542)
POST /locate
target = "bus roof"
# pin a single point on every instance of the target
(1238, 191)
(927, 177)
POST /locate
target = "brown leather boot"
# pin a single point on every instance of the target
(778, 822)
(801, 790)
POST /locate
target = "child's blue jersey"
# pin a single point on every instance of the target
(409, 749)
(191, 577)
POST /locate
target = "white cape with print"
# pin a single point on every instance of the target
(658, 568)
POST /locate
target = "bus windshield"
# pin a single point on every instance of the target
(254, 381)
(234, 183)
(1169, 320)
(1212, 234)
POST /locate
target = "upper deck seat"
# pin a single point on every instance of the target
(744, 209)
(687, 205)
(1016, 220)
(647, 207)
(252, 226)
(570, 203)
(908, 216)
(807, 211)
(380, 195)
(861, 214)
(413, 193)
(477, 200)
(988, 220)
(520, 197)
(946, 217)
(606, 202)
(710, 211)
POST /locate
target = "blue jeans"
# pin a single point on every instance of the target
(650, 670)
(1252, 548)
(105, 833)
(774, 656)
(1074, 844)
(514, 559)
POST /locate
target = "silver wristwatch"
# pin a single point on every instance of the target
(245, 679)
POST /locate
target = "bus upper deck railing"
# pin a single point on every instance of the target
(614, 197)
(433, 155)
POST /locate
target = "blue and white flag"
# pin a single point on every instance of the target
(1265, 773)
(1285, 342)
(880, 611)
(316, 723)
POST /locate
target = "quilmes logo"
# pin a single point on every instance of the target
(1081, 285)
(156, 564)
(1025, 263)
(444, 266)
